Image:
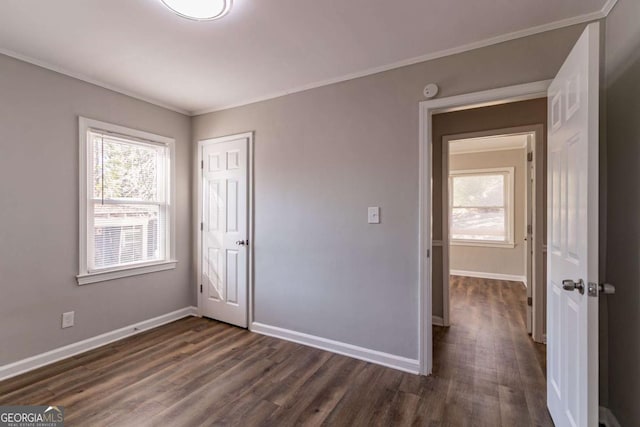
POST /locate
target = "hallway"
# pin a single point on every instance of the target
(495, 372)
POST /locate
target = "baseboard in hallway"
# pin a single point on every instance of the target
(494, 276)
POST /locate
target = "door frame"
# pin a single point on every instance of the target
(250, 218)
(534, 213)
(485, 98)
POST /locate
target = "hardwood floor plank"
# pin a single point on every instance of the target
(513, 407)
(431, 409)
(205, 401)
(300, 399)
(403, 409)
(328, 396)
(177, 382)
(379, 385)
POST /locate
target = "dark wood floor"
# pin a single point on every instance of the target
(197, 372)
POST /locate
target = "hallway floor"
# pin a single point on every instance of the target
(495, 373)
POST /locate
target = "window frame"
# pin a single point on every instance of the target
(509, 198)
(85, 275)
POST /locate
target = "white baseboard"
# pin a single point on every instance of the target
(607, 418)
(437, 321)
(495, 276)
(368, 355)
(43, 359)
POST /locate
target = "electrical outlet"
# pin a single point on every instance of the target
(68, 319)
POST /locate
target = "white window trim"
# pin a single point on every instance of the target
(85, 277)
(510, 208)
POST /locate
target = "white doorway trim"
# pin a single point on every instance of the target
(426, 110)
(250, 219)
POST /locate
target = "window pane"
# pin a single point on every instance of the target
(125, 170)
(478, 224)
(125, 234)
(96, 140)
(478, 190)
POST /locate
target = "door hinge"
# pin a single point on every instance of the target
(201, 164)
(428, 253)
(200, 288)
(529, 229)
(530, 301)
(530, 157)
(202, 226)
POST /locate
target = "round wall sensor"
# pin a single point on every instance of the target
(430, 90)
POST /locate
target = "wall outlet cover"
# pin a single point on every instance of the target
(68, 319)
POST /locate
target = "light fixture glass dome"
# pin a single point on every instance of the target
(200, 10)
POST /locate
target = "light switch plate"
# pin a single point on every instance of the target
(373, 216)
(68, 319)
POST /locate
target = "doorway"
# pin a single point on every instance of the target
(430, 174)
(490, 214)
(483, 168)
(224, 233)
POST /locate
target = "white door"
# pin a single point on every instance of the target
(224, 263)
(572, 315)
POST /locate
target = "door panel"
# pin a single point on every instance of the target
(572, 317)
(225, 227)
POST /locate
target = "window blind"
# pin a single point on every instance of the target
(479, 207)
(128, 201)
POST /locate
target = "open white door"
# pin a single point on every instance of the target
(224, 253)
(572, 314)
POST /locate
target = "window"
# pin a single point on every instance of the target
(481, 207)
(126, 210)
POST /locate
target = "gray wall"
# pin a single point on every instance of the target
(324, 155)
(622, 44)
(492, 259)
(39, 213)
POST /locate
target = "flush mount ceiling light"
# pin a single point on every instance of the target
(199, 10)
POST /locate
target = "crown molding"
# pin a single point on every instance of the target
(556, 25)
(608, 6)
(90, 80)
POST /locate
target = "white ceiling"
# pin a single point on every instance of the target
(263, 48)
(491, 143)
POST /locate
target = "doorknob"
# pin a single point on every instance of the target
(570, 285)
(596, 289)
(242, 242)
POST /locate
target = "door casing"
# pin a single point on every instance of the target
(467, 101)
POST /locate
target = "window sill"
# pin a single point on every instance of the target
(103, 276)
(504, 245)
